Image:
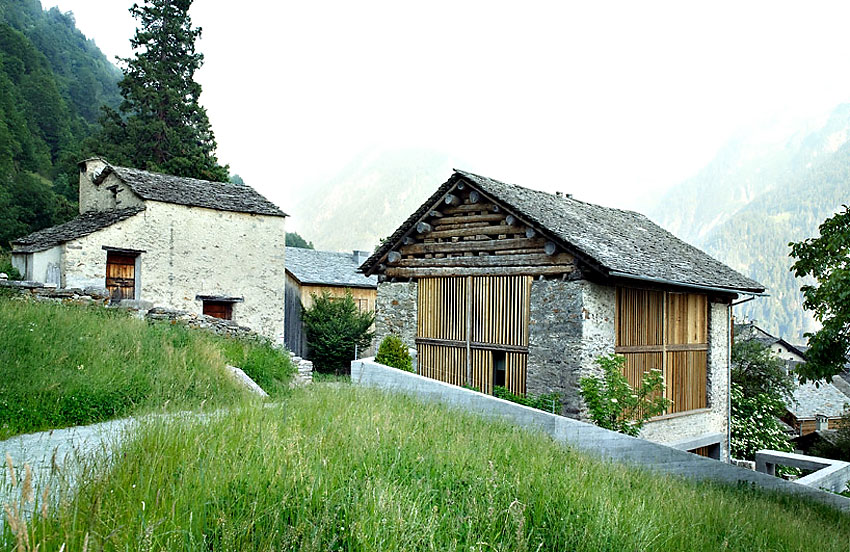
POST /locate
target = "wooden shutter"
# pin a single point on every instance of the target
(121, 275)
(668, 332)
(463, 320)
(219, 309)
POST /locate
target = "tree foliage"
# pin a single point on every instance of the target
(335, 328)
(826, 258)
(613, 404)
(756, 370)
(760, 390)
(160, 125)
(50, 79)
(295, 240)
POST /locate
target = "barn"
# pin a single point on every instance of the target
(495, 284)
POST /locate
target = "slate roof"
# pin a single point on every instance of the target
(827, 400)
(83, 225)
(224, 196)
(309, 266)
(612, 239)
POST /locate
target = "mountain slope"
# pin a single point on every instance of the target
(52, 83)
(757, 196)
(369, 198)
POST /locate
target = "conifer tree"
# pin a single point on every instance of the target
(160, 125)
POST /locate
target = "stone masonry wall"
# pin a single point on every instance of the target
(554, 341)
(99, 197)
(192, 251)
(395, 312)
(572, 323)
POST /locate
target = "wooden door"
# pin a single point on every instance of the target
(120, 275)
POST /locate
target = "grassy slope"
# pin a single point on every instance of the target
(336, 467)
(65, 365)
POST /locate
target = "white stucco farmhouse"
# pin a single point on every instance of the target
(215, 248)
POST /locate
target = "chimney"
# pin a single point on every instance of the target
(821, 422)
(360, 256)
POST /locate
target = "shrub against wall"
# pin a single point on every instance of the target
(393, 352)
(335, 328)
(613, 404)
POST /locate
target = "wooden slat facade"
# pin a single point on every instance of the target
(669, 332)
(465, 323)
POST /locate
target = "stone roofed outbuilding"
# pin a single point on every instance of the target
(499, 285)
(152, 239)
(310, 272)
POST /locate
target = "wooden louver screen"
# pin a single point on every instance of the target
(465, 322)
(120, 275)
(668, 332)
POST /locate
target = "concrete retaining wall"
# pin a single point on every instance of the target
(580, 435)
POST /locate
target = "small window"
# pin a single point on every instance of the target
(219, 309)
(499, 368)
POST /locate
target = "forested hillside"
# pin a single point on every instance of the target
(52, 84)
(757, 196)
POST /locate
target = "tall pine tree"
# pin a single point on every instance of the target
(160, 125)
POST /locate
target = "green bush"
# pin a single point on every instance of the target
(335, 329)
(6, 266)
(393, 352)
(548, 402)
(613, 404)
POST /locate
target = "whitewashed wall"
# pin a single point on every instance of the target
(193, 251)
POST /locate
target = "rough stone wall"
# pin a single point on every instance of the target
(395, 312)
(98, 197)
(571, 324)
(715, 420)
(554, 341)
(193, 251)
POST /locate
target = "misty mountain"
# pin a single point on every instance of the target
(369, 198)
(758, 194)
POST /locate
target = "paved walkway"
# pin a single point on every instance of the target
(62, 446)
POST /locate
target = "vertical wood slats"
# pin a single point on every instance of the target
(499, 311)
(654, 320)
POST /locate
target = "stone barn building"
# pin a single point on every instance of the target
(310, 272)
(158, 240)
(495, 284)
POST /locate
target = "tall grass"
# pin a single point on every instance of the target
(342, 468)
(63, 365)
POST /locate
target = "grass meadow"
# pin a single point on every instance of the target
(337, 467)
(65, 365)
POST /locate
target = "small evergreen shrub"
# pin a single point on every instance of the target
(393, 352)
(335, 329)
(613, 404)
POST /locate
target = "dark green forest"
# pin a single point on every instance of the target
(53, 82)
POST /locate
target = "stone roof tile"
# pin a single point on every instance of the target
(309, 266)
(615, 240)
(83, 225)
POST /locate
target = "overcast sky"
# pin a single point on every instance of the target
(610, 101)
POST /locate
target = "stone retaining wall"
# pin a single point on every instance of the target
(582, 436)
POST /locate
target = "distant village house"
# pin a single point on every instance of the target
(496, 284)
(310, 272)
(151, 239)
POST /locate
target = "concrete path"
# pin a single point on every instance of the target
(60, 447)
